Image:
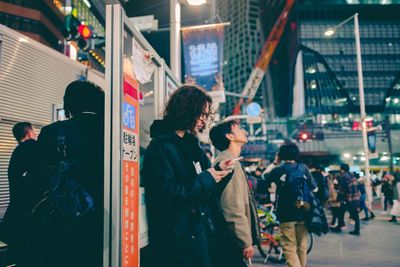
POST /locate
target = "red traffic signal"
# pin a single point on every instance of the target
(85, 31)
(304, 136)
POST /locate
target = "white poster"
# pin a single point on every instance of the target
(143, 66)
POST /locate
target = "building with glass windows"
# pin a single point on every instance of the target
(55, 23)
(321, 79)
(39, 20)
(380, 49)
(243, 44)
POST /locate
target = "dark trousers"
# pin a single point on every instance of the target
(353, 214)
(386, 201)
(335, 214)
(363, 205)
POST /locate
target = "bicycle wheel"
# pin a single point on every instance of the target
(271, 248)
(310, 242)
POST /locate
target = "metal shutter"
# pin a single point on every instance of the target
(7, 145)
(32, 78)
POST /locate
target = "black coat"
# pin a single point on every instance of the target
(180, 203)
(82, 244)
(22, 184)
(21, 171)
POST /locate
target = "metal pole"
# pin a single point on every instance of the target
(362, 97)
(175, 38)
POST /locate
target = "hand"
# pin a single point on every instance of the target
(218, 175)
(227, 164)
(248, 253)
(277, 160)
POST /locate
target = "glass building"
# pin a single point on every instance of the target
(243, 44)
(380, 49)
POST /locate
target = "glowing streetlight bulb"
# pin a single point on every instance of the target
(196, 2)
(329, 32)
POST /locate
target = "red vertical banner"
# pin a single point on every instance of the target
(130, 174)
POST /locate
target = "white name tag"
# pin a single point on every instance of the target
(197, 166)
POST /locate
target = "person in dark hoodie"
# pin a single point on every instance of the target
(181, 197)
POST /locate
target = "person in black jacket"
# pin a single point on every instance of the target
(182, 207)
(82, 243)
(21, 181)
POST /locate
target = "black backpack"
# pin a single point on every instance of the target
(66, 201)
(323, 186)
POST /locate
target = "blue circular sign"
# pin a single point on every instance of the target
(253, 109)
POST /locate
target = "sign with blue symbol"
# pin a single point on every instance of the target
(129, 116)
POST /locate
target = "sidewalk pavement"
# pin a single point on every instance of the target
(378, 246)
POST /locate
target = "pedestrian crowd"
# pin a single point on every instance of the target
(201, 211)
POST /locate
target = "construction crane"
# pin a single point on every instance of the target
(261, 66)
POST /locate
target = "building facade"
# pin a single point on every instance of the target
(380, 49)
(40, 20)
(243, 44)
(55, 23)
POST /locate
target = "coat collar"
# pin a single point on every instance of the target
(226, 154)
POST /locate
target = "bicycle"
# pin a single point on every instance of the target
(270, 248)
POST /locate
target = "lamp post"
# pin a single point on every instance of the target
(175, 34)
(363, 115)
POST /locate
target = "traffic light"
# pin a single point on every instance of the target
(304, 136)
(85, 31)
(309, 135)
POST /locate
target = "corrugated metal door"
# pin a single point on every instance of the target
(7, 145)
(33, 77)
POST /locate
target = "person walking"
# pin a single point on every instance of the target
(364, 199)
(241, 230)
(387, 190)
(349, 198)
(292, 204)
(22, 183)
(396, 198)
(333, 203)
(181, 200)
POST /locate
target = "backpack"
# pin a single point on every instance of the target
(323, 187)
(296, 185)
(66, 201)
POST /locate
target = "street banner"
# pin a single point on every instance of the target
(203, 48)
(372, 141)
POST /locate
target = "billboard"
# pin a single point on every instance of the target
(203, 48)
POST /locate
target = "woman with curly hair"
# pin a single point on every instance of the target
(180, 184)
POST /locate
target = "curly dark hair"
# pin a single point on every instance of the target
(186, 105)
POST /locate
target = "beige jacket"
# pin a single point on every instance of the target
(237, 203)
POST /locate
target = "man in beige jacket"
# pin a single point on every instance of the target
(241, 227)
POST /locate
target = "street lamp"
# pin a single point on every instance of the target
(175, 34)
(363, 115)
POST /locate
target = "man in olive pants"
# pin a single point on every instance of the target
(291, 212)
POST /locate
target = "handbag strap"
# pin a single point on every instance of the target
(61, 146)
